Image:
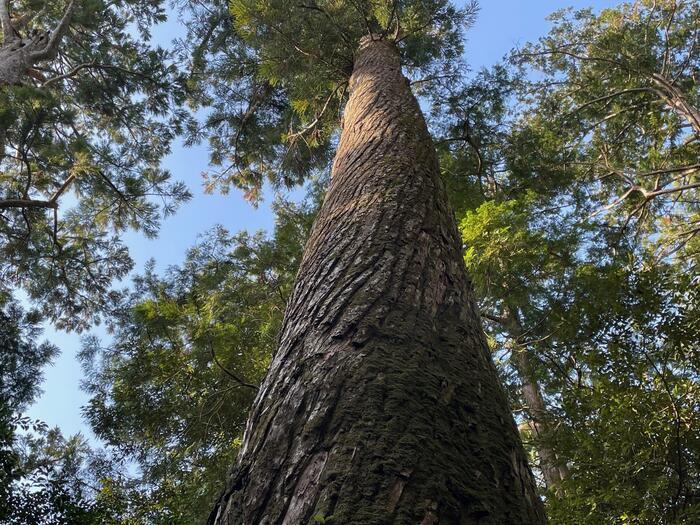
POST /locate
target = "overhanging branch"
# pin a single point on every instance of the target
(26, 203)
(52, 203)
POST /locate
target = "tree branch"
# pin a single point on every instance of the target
(62, 189)
(318, 117)
(51, 48)
(26, 203)
(68, 74)
(613, 95)
(52, 203)
(496, 319)
(472, 143)
(228, 372)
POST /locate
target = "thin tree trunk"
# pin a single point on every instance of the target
(553, 470)
(381, 404)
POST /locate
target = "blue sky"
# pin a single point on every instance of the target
(502, 25)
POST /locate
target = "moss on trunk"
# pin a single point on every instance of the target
(381, 405)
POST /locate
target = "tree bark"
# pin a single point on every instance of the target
(553, 470)
(18, 55)
(381, 404)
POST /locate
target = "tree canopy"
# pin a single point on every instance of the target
(572, 167)
(275, 76)
(86, 115)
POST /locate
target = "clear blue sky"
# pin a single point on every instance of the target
(502, 25)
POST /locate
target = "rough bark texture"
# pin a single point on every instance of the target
(19, 54)
(17, 57)
(381, 404)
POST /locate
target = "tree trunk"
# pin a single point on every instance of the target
(381, 404)
(553, 470)
(18, 56)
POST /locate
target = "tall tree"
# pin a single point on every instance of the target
(381, 403)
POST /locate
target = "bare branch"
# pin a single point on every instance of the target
(616, 202)
(226, 371)
(63, 188)
(433, 78)
(650, 194)
(680, 169)
(496, 319)
(318, 117)
(667, 43)
(52, 203)
(472, 143)
(584, 58)
(68, 74)
(674, 189)
(614, 95)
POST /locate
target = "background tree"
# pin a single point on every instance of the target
(86, 115)
(622, 88)
(195, 343)
(566, 281)
(41, 480)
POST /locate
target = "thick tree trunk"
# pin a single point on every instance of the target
(381, 404)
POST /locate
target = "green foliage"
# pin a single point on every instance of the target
(172, 391)
(274, 74)
(85, 133)
(616, 96)
(629, 406)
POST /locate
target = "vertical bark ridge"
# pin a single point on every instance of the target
(381, 404)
